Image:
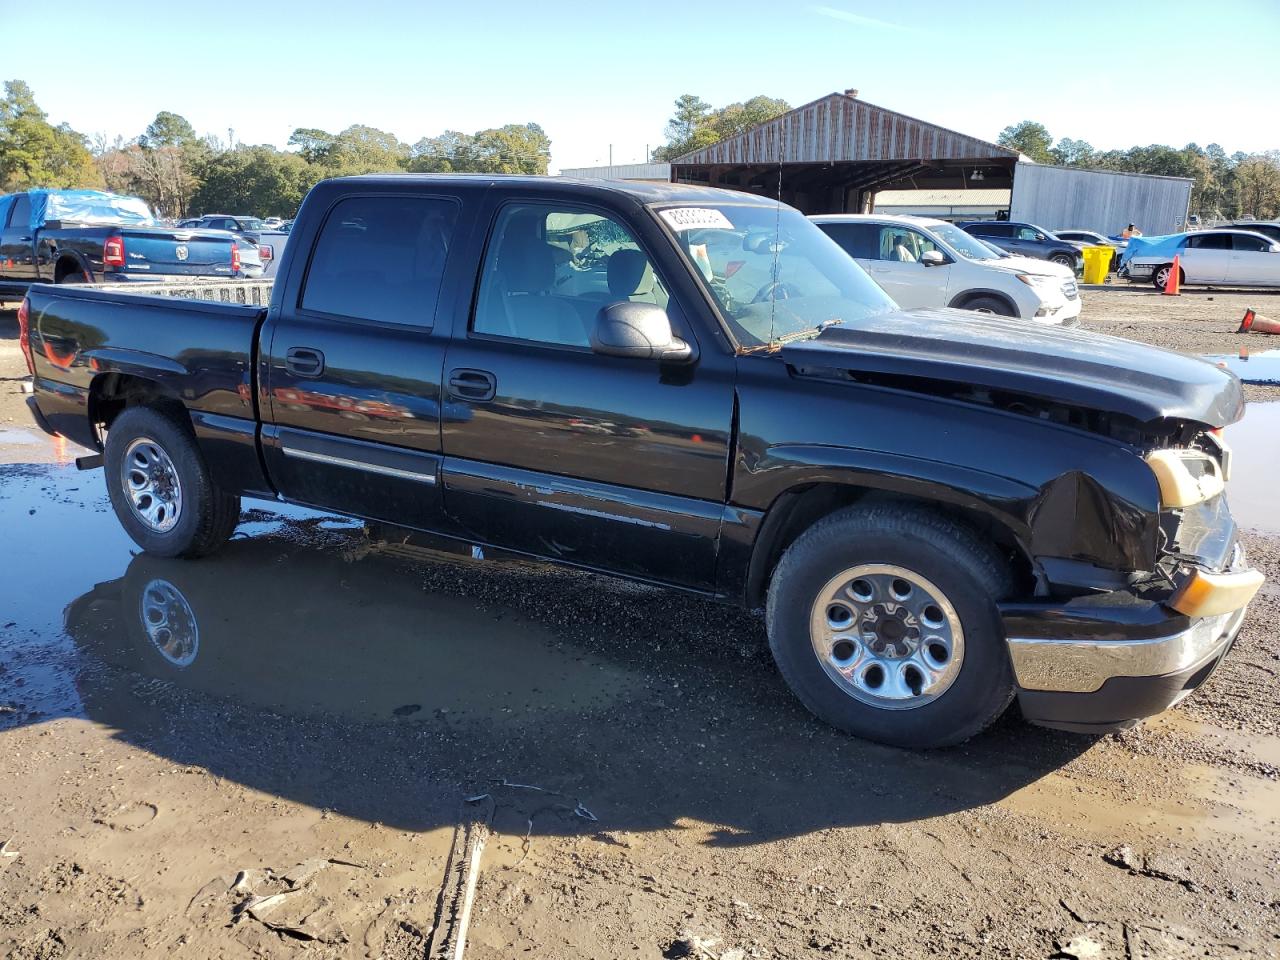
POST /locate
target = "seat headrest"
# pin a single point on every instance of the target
(528, 264)
(630, 274)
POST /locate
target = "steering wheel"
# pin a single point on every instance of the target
(776, 290)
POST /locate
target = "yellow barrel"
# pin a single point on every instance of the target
(1097, 263)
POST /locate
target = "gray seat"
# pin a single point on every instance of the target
(526, 274)
(630, 275)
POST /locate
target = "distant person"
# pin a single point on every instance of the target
(1129, 232)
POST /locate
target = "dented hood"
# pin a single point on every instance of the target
(1068, 366)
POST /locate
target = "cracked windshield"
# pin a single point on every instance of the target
(775, 276)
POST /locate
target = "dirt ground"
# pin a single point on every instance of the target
(296, 749)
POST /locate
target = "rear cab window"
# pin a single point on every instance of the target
(381, 258)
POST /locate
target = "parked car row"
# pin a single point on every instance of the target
(1221, 257)
(86, 236)
(930, 263)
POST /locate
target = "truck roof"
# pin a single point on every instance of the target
(642, 190)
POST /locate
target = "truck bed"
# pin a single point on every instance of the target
(136, 333)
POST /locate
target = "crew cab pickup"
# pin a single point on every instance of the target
(86, 236)
(939, 510)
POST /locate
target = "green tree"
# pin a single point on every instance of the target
(168, 130)
(33, 152)
(695, 124)
(513, 148)
(257, 180)
(1258, 177)
(1072, 153)
(1028, 138)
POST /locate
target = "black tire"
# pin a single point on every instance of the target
(969, 572)
(207, 515)
(75, 276)
(1161, 276)
(991, 305)
(1064, 260)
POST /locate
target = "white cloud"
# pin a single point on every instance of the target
(849, 17)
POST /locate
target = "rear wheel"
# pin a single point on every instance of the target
(883, 622)
(990, 305)
(160, 486)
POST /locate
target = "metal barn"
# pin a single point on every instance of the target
(1060, 198)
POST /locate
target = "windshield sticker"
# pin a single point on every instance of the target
(695, 218)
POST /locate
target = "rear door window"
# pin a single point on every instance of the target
(859, 240)
(1254, 244)
(381, 258)
(991, 229)
(20, 215)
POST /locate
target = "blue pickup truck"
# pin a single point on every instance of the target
(87, 236)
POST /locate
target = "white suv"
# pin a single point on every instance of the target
(930, 263)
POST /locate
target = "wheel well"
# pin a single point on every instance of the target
(66, 266)
(964, 299)
(797, 510)
(112, 393)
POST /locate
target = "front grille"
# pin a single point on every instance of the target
(1070, 290)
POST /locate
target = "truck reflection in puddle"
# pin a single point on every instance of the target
(276, 625)
(311, 663)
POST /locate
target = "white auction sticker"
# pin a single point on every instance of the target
(695, 218)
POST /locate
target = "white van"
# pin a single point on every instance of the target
(930, 263)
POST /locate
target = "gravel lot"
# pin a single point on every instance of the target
(326, 706)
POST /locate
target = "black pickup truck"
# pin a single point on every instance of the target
(87, 236)
(939, 510)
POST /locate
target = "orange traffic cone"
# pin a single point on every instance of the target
(1171, 284)
(1254, 323)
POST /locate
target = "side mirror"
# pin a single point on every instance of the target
(1040, 238)
(630, 329)
(933, 258)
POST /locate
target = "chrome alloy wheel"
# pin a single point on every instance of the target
(151, 485)
(169, 622)
(887, 636)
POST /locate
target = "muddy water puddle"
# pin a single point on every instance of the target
(1255, 470)
(1262, 367)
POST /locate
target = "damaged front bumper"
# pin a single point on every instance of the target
(1103, 662)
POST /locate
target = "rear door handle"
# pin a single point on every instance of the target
(304, 362)
(468, 384)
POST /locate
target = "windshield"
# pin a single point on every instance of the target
(775, 276)
(966, 244)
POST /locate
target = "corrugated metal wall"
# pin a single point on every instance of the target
(620, 171)
(1059, 198)
(837, 128)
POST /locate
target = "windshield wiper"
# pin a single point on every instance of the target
(778, 342)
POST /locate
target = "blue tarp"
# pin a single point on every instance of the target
(1165, 247)
(87, 206)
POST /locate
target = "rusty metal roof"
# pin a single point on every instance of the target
(841, 128)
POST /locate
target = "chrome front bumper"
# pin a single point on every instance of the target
(1070, 665)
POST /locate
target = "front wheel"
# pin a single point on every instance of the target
(1064, 260)
(991, 305)
(160, 486)
(883, 622)
(1160, 279)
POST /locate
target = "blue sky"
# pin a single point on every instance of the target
(601, 73)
